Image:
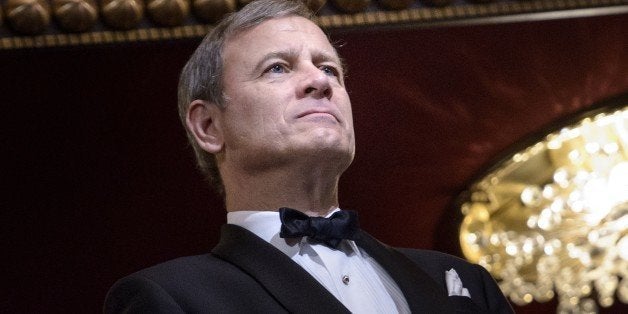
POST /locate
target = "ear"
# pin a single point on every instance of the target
(203, 120)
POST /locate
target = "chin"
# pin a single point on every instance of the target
(335, 152)
(331, 143)
(328, 142)
(326, 134)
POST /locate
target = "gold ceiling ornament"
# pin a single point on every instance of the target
(122, 14)
(26, 23)
(437, 3)
(75, 15)
(395, 4)
(351, 6)
(213, 10)
(28, 16)
(168, 12)
(552, 219)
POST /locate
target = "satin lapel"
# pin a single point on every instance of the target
(422, 293)
(284, 279)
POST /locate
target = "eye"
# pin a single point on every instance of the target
(329, 70)
(276, 68)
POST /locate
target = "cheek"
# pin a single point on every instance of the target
(344, 104)
(261, 108)
(262, 115)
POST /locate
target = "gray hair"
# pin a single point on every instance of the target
(202, 76)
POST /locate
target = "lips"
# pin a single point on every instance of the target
(318, 112)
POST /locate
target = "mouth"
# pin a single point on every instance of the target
(318, 113)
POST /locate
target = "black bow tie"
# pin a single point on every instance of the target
(341, 225)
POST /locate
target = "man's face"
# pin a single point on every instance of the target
(285, 97)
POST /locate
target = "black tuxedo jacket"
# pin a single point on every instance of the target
(245, 274)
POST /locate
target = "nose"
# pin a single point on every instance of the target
(315, 84)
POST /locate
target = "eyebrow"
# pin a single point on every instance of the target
(320, 56)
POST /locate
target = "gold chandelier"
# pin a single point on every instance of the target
(552, 219)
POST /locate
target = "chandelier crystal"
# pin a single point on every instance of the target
(552, 220)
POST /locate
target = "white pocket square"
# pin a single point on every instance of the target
(454, 284)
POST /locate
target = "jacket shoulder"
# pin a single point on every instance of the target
(182, 267)
(193, 284)
(429, 258)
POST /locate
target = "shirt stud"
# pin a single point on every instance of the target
(345, 279)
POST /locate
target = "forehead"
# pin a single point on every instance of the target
(292, 32)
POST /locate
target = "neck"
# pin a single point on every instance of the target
(312, 191)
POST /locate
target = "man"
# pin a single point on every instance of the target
(266, 110)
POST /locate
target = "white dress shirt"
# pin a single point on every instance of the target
(348, 272)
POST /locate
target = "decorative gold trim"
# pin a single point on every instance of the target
(463, 13)
(104, 37)
(494, 12)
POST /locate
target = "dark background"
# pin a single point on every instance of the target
(99, 181)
